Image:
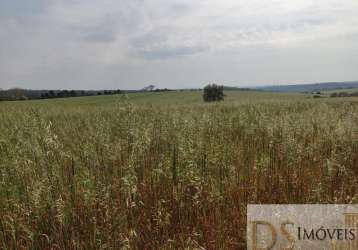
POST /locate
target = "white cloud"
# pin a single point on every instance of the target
(94, 44)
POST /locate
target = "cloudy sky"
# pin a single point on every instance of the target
(128, 44)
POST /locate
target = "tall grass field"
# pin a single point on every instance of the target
(166, 170)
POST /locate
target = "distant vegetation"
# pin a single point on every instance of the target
(18, 94)
(213, 93)
(24, 94)
(162, 90)
(343, 94)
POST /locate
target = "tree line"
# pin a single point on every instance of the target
(23, 94)
(343, 94)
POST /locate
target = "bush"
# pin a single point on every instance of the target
(213, 92)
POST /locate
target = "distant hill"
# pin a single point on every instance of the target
(311, 87)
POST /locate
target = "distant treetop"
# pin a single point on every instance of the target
(149, 88)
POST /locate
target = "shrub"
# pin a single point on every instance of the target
(213, 92)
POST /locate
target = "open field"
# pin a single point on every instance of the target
(352, 90)
(165, 98)
(165, 170)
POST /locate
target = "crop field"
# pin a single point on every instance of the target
(166, 170)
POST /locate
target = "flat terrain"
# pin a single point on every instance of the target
(352, 90)
(165, 98)
(166, 170)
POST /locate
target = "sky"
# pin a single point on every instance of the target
(129, 44)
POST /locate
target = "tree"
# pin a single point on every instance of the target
(149, 88)
(213, 93)
(51, 94)
(19, 93)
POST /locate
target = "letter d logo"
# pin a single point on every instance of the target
(254, 239)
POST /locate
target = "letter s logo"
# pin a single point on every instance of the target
(288, 236)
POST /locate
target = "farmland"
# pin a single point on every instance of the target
(166, 170)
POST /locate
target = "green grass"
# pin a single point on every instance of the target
(165, 170)
(164, 98)
(340, 90)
